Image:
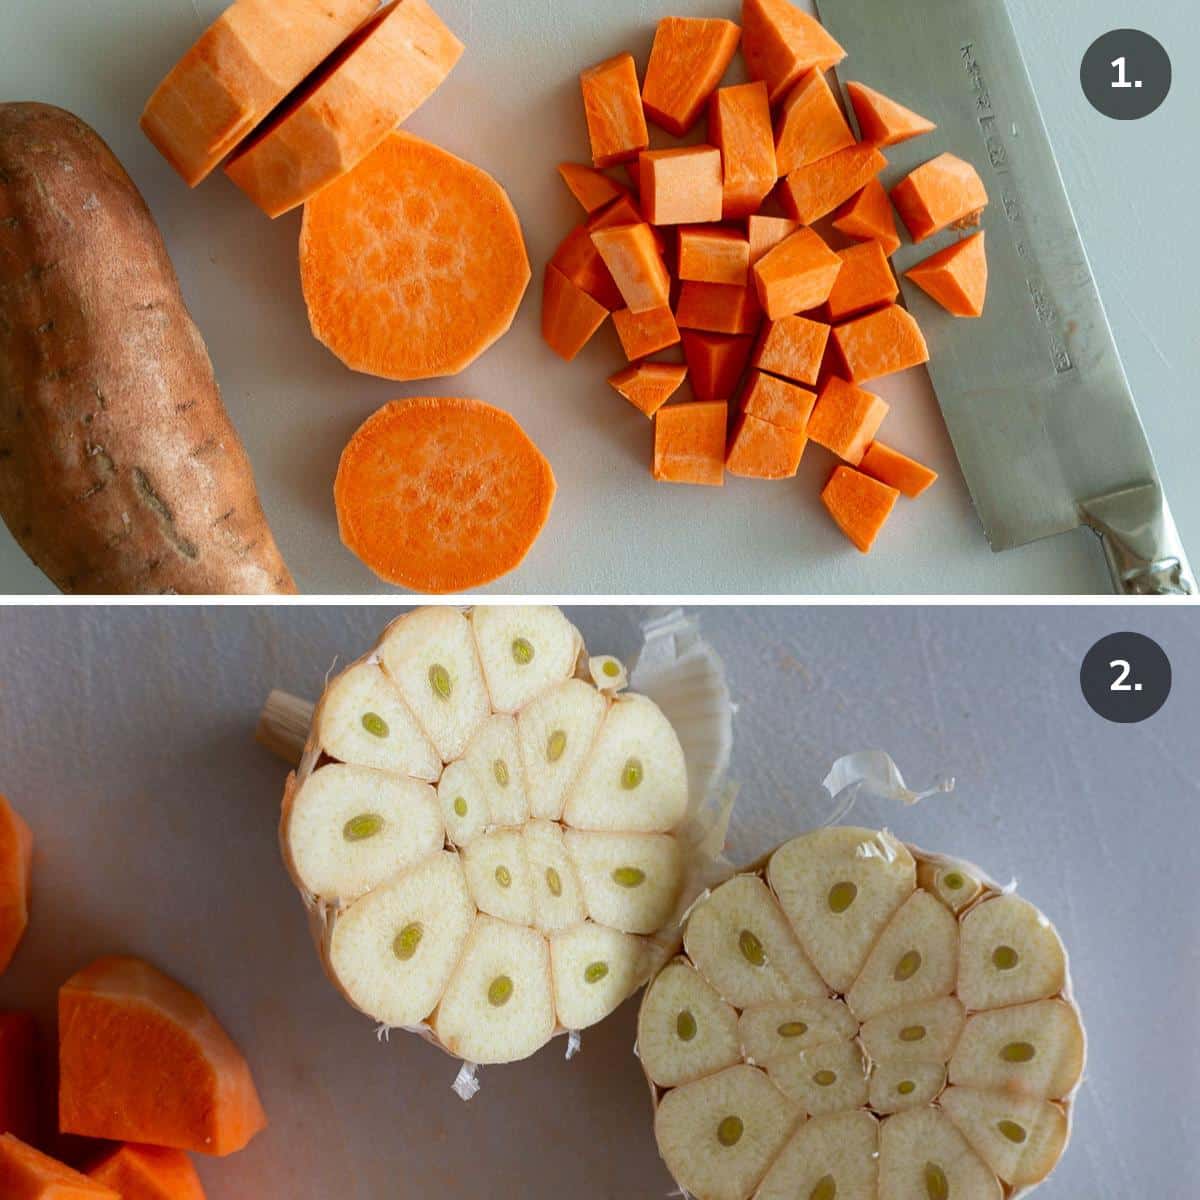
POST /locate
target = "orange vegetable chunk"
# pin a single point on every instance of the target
(612, 104)
(442, 493)
(687, 60)
(765, 233)
(761, 450)
(859, 504)
(793, 347)
(845, 419)
(713, 254)
(715, 362)
(377, 79)
(777, 401)
(16, 871)
(593, 189)
(142, 1059)
(649, 385)
(880, 343)
(865, 281)
(645, 333)
(883, 121)
(689, 443)
(148, 1173)
(413, 264)
(780, 43)
(681, 186)
(810, 125)
(569, 315)
(897, 470)
(239, 69)
(739, 124)
(636, 264)
(942, 192)
(579, 260)
(18, 1076)
(956, 277)
(796, 275)
(869, 215)
(718, 308)
(810, 192)
(27, 1174)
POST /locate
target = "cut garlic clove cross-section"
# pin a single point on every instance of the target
(498, 876)
(523, 650)
(594, 969)
(824, 1079)
(555, 733)
(495, 760)
(895, 1086)
(832, 1157)
(924, 1032)
(630, 881)
(923, 1157)
(553, 882)
(1018, 1137)
(954, 884)
(773, 1031)
(1010, 955)
(463, 802)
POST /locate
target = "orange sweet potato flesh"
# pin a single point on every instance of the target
(739, 124)
(244, 64)
(649, 385)
(681, 186)
(956, 277)
(377, 79)
(880, 343)
(860, 505)
(413, 264)
(18, 1076)
(796, 275)
(777, 401)
(780, 43)
(687, 60)
(689, 443)
(148, 1173)
(864, 282)
(612, 105)
(27, 1174)
(593, 189)
(16, 869)
(442, 494)
(718, 308)
(142, 1059)
(635, 262)
(715, 362)
(622, 211)
(869, 215)
(942, 192)
(897, 470)
(810, 125)
(569, 315)
(845, 419)
(645, 333)
(713, 254)
(579, 260)
(765, 233)
(761, 450)
(881, 120)
(793, 347)
(810, 192)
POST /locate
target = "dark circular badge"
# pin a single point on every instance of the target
(1126, 677)
(1125, 74)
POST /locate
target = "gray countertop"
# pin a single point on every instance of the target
(512, 105)
(128, 744)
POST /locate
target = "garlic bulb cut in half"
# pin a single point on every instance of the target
(855, 1019)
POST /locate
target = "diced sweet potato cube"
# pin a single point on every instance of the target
(687, 60)
(869, 215)
(646, 332)
(881, 120)
(942, 192)
(689, 443)
(739, 124)
(715, 362)
(148, 1173)
(18, 1076)
(569, 315)
(681, 186)
(845, 419)
(956, 277)
(859, 504)
(810, 192)
(793, 347)
(635, 262)
(649, 385)
(810, 125)
(880, 343)
(864, 282)
(780, 43)
(28, 1174)
(593, 189)
(713, 254)
(718, 308)
(612, 103)
(579, 260)
(897, 470)
(765, 233)
(777, 401)
(761, 450)
(796, 275)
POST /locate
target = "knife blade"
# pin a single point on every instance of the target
(1034, 394)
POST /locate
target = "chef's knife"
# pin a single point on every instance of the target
(1033, 393)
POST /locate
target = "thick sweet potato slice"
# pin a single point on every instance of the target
(689, 443)
(240, 68)
(645, 333)
(413, 264)
(718, 308)
(859, 504)
(715, 362)
(796, 275)
(865, 281)
(897, 470)
(649, 385)
(956, 277)
(810, 192)
(27, 1174)
(612, 105)
(16, 863)
(593, 189)
(880, 343)
(148, 1173)
(18, 1076)
(845, 419)
(869, 215)
(761, 450)
(780, 43)
(569, 315)
(687, 60)
(377, 79)
(811, 124)
(739, 124)
(942, 192)
(883, 121)
(794, 348)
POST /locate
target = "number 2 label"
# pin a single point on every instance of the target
(1119, 684)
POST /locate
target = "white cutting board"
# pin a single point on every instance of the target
(512, 105)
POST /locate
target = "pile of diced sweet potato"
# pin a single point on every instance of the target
(713, 246)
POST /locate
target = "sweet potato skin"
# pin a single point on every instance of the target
(120, 471)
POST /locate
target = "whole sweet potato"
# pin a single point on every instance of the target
(119, 468)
